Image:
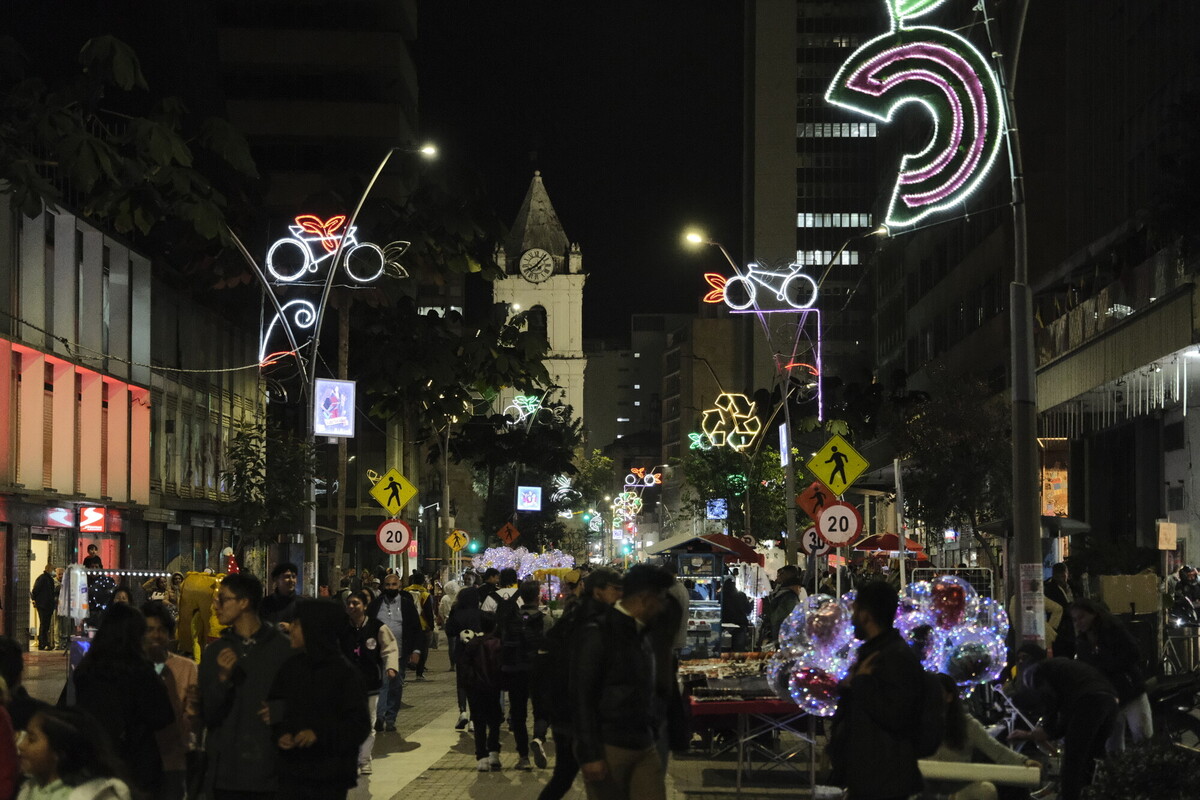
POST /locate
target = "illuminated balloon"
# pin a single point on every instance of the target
(815, 691)
(974, 657)
(952, 600)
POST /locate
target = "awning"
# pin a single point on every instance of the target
(1051, 527)
(709, 542)
(744, 552)
(887, 541)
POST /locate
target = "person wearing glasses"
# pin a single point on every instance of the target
(236, 673)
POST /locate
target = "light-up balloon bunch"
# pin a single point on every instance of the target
(950, 628)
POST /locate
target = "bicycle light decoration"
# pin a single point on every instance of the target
(312, 245)
(731, 422)
(793, 289)
(948, 76)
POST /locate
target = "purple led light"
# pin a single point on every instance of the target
(964, 79)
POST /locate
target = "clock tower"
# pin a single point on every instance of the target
(544, 276)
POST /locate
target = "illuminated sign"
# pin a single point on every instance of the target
(943, 72)
(732, 422)
(333, 408)
(791, 288)
(91, 520)
(717, 509)
(529, 498)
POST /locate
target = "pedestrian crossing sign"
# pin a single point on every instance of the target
(457, 540)
(393, 491)
(837, 465)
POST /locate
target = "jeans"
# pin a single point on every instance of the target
(368, 745)
(565, 767)
(390, 694)
(423, 643)
(518, 709)
(487, 716)
(45, 631)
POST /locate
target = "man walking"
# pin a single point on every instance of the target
(181, 677)
(45, 599)
(871, 744)
(280, 605)
(616, 711)
(236, 673)
(398, 612)
(424, 603)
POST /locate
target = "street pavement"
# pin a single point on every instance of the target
(426, 759)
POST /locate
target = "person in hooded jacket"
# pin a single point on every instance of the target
(371, 647)
(319, 717)
(464, 622)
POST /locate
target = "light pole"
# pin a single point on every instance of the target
(308, 371)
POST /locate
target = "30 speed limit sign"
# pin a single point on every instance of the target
(811, 544)
(839, 523)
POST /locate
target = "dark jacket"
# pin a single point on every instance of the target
(735, 608)
(1064, 643)
(131, 703)
(613, 687)
(1064, 685)
(278, 608)
(328, 697)
(410, 637)
(362, 649)
(241, 750)
(871, 743)
(552, 668)
(44, 595)
(1115, 653)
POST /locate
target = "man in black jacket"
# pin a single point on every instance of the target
(45, 600)
(1058, 589)
(398, 611)
(279, 607)
(617, 714)
(871, 744)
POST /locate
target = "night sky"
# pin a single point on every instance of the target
(631, 110)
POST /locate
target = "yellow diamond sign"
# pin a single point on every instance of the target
(393, 491)
(457, 540)
(837, 464)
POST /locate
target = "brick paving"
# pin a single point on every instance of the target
(426, 759)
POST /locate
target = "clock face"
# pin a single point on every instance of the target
(536, 265)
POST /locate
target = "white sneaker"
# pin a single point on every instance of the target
(539, 753)
(483, 765)
(470, 727)
(364, 768)
(494, 761)
(463, 719)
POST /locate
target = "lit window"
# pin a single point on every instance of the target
(637, 386)
(637, 355)
(622, 419)
(637, 402)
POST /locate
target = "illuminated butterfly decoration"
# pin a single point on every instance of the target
(946, 74)
(717, 281)
(699, 441)
(327, 229)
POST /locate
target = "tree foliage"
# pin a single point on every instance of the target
(143, 174)
(269, 472)
(957, 455)
(746, 480)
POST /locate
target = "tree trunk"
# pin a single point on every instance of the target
(987, 549)
(342, 447)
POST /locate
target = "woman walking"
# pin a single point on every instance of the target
(371, 647)
(464, 622)
(317, 707)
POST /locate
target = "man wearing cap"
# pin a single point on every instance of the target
(617, 712)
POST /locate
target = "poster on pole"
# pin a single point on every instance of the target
(1032, 603)
(333, 408)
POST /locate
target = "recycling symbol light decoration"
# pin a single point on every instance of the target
(732, 422)
(947, 75)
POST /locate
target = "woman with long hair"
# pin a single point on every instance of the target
(1102, 641)
(66, 753)
(318, 707)
(116, 683)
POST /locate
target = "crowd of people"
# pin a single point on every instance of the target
(288, 699)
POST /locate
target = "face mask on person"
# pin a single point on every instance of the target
(391, 594)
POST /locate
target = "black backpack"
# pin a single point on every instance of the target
(930, 727)
(521, 636)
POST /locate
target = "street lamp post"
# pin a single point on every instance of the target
(309, 370)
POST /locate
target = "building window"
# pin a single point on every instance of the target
(823, 257)
(637, 386)
(836, 130)
(637, 402)
(833, 220)
(622, 419)
(637, 355)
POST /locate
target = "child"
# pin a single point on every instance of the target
(67, 756)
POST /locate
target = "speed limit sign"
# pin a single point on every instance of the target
(811, 544)
(839, 523)
(393, 536)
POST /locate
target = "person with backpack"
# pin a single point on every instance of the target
(521, 624)
(880, 715)
(789, 591)
(480, 673)
(505, 589)
(423, 600)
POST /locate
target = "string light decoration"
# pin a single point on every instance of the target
(731, 422)
(626, 506)
(949, 626)
(521, 560)
(795, 290)
(641, 477)
(947, 75)
(699, 441)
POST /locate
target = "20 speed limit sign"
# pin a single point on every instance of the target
(839, 523)
(393, 536)
(811, 544)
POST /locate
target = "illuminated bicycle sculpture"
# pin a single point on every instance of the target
(315, 240)
(791, 287)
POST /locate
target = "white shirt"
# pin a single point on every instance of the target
(493, 600)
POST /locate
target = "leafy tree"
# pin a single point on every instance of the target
(957, 455)
(269, 472)
(751, 482)
(144, 174)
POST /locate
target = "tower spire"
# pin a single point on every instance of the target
(537, 223)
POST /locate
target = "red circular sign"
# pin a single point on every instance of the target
(393, 536)
(839, 523)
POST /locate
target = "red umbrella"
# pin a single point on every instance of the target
(886, 541)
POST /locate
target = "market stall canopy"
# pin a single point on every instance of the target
(708, 543)
(1051, 527)
(887, 541)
